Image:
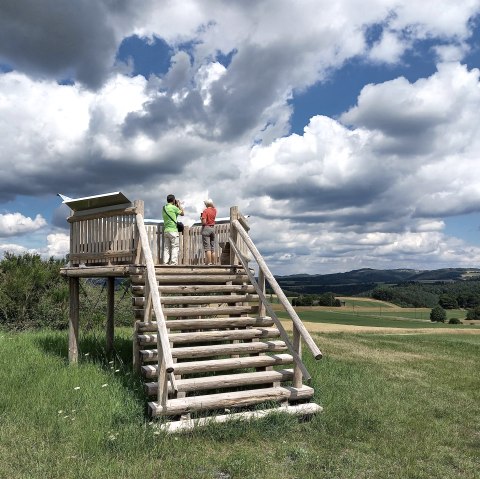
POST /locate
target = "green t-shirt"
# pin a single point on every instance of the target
(170, 226)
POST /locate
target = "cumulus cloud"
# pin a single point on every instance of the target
(58, 245)
(15, 224)
(383, 174)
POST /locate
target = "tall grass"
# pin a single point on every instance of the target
(394, 406)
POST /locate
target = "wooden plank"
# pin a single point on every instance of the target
(95, 271)
(228, 364)
(192, 352)
(209, 323)
(228, 400)
(204, 336)
(100, 255)
(226, 381)
(201, 311)
(301, 410)
(137, 289)
(208, 311)
(187, 279)
(210, 299)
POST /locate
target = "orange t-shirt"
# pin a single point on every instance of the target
(209, 215)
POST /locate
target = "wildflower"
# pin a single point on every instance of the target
(87, 354)
(60, 412)
(117, 370)
(76, 388)
(104, 385)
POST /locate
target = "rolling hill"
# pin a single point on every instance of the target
(361, 280)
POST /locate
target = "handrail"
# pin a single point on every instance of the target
(271, 312)
(278, 290)
(156, 303)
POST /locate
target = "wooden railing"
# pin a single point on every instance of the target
(264, 275)
(98, 238)
(153, 302)
(111, 238)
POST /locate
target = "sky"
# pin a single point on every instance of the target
(348, 131)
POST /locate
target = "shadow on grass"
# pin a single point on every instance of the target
(92, 350)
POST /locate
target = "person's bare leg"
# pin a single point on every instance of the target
(208, 257)
(212, 257)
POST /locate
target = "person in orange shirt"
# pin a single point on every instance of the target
(208, 232)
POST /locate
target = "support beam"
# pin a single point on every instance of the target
(234, 213)
(110, 326)
(74, 318)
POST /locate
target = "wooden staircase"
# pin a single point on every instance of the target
(226, 352)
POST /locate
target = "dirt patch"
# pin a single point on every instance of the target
(350, 328)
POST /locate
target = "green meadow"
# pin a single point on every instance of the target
(395, 406)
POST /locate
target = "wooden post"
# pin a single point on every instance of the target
(162, 393)
(297, 344)
(233, 231)
(137, 363)
(186, 246)
(110, 327)
(159, 245)
(74, 284)
(261, 282)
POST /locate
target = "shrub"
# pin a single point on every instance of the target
(454, 321)
(32, 292)
(474, 313)
(438, 315)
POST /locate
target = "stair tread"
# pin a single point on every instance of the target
(222, 364)
(208, 310)
(207, 323)
(208, 299)
(230, 399)
(220, 335)
(226, 380)
(218, 349)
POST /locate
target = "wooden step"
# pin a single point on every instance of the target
(209, 299)
(201, 311)
(225, 381)
(228, 400)
(138, 290)
(194, 279)
(207, 323)
(200, 269)
(191, 352)
(301, 410)
(229, 364)
(206, 336)
(208, 311)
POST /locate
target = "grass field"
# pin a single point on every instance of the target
(395, 406)
(367, 312)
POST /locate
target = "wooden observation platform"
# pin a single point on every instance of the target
(206, 339)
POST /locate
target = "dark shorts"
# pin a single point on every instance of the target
(208, 238)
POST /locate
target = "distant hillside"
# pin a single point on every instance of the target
(361, 280)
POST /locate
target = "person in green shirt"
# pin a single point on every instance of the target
(170, 212)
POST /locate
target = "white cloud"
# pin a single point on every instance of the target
(12, 248)
(374, 184)
(15, 224)
(58, 245)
